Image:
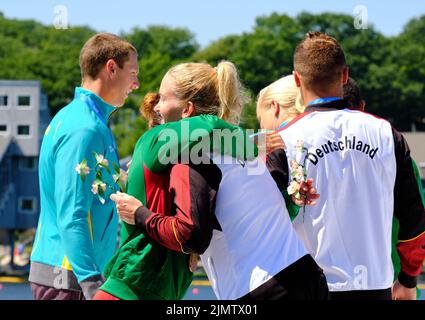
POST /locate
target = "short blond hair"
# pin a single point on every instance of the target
(285, 92)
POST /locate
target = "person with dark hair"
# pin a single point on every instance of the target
(77, 231)
(363, 172)
(353, 96)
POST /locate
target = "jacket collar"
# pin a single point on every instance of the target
(104, 108)
(336, 104)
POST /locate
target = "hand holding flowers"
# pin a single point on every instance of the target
(300, 188)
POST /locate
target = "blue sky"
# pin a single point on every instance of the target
(208, 20)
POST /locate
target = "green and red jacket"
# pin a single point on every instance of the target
(142, 268)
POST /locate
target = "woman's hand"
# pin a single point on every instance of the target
(400, 292)
(126, 206)
(193, 262)
(309, 194)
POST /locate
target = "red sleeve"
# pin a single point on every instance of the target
(412, 255)
(189, 228)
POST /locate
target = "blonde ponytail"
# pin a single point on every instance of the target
(231, 93)
(216, 91)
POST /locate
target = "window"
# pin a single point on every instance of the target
(27, 205)
(24, 101)
(3, 128)
(3, 100)
(28, 163)
(23, 130)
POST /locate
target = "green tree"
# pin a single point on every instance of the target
(261, 56)
(178, 43)
(127, 128)
(408, 57)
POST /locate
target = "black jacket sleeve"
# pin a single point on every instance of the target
(409, 210)
(277, 164)
(190, 225)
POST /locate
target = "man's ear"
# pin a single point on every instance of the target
(111, 67)
(345, 74)
(275, 106)
(188, 110)
(297, 78)
(363, 105)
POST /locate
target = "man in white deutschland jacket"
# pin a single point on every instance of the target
(363, 171)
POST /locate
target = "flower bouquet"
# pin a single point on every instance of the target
(99, 186)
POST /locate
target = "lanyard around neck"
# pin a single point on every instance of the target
(283, 125)
(323, 100)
